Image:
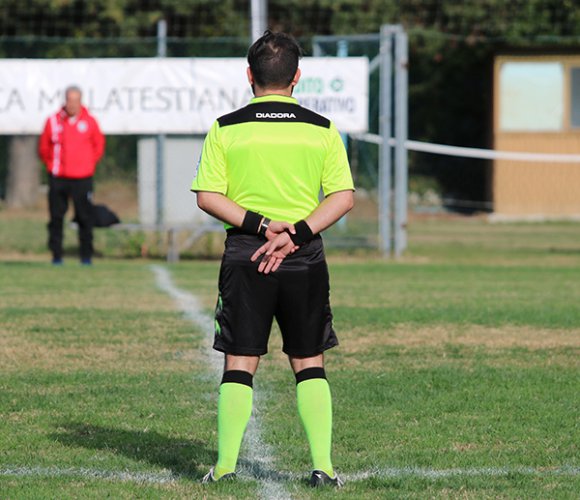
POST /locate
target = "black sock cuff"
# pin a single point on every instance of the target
(309, 373)
(238, 377)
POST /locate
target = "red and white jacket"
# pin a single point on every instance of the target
(71, 147)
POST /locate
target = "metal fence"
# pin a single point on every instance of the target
(379, 218)
(450, 90)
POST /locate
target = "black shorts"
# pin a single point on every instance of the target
(297, 295)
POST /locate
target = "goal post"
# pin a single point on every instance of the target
(391, 63)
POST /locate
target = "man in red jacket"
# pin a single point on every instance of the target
(71, 144)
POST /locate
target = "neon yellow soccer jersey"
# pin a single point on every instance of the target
(273, 157)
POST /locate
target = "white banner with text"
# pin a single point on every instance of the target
(170, 95)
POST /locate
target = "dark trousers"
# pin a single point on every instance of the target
(81, 192)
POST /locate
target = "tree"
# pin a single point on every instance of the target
(23, 172)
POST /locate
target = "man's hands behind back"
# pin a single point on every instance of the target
(277, 248)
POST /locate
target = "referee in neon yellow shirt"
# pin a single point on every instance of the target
(260, 172)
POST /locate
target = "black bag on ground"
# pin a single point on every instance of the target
(103, 216)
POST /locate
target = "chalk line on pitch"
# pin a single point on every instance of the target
(429, 473)
(165, 477)
(259, 461)
(87, 473)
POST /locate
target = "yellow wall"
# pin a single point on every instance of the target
(532, 188)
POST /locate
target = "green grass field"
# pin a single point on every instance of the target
(457, 376)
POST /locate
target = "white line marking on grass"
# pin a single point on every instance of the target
(259, 462)
(111, 475)
(428, 473)
(388, 473)
(189, 305)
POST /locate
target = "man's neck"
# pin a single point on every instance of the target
(259, 92)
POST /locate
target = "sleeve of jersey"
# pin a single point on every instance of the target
(336, 174)
(44, 145)
(210, 174)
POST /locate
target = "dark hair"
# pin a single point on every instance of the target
(273, 59)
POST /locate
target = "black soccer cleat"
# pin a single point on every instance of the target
(209, 477)
(320, 478)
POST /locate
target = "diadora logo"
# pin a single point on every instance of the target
(275, 115)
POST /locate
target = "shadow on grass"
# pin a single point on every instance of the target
(564, 251)
(181, 456)
(184, 458)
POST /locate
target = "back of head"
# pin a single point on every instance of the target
(273, 59)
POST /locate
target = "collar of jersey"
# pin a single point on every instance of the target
(274, 98)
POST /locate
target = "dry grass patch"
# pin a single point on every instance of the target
(125, 358)
(101, 298)
(504, 337)
(14, 256)
(464, 447)
(463, 346)
(124, 353)
(101, 301)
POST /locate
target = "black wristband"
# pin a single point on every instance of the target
(251, 222)
(303, 233)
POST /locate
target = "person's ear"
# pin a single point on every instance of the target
(296, 77)
(250, 76)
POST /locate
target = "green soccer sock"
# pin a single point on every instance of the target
(234, 410)
(315, 410)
